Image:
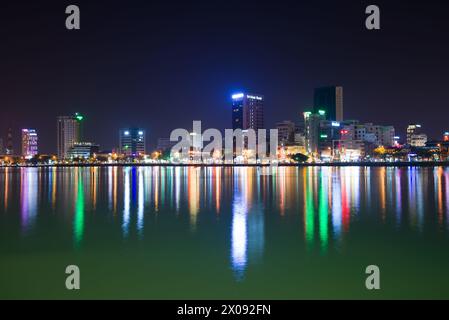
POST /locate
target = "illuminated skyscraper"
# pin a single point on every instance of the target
(412, 129)
(29, 143)
(132, 142)
(312, 123)
(69, 131)
(247, 111)
(329, 99)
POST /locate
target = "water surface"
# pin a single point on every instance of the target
(206, 233)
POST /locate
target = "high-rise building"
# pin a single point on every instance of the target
(29, 143)
(9, 143)
(69, 131)
(412, 129)
(247, 111)
(329, 99)
(132, 142)
(368, 132)
(384, 135)
(238, 104)
(312, 122)
(286, 131)
(2, 150)
(83, 150)
(418, 140)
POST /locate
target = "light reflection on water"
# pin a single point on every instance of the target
(28, 199)
(78, 222)
(325, 203)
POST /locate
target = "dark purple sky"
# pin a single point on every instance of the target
(162, 64)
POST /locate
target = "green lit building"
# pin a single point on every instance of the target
(312, 122)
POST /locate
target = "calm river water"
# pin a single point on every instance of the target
(207, 233)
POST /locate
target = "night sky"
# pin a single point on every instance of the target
(162, 64)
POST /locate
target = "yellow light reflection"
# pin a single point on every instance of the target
(383, 193)
(193, 191)
(217, 172)
(439, 191)
(54, 187)
(6, 195)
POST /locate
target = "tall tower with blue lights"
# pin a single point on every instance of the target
(247, 111)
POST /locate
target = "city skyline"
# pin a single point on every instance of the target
(244, 106)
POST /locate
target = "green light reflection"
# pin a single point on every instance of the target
(78, 228)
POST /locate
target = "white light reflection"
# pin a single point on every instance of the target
(29, 193)
(140, 204)
(126, 203)
(239, 239)
(177, 187)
